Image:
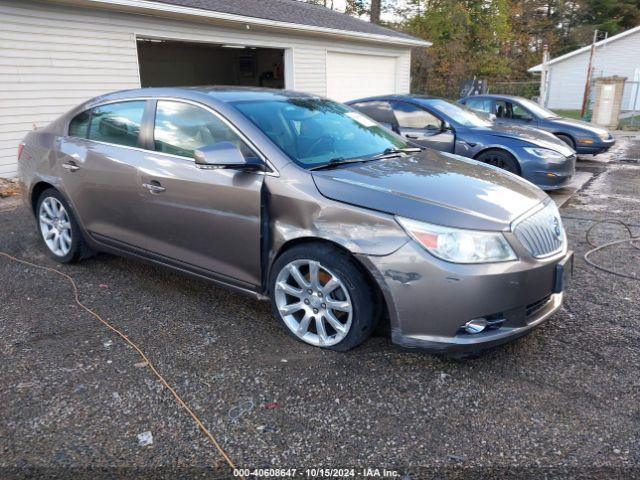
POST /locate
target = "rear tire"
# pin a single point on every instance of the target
(501, 159)
(321, 297)
(568, 140)
(58, 227)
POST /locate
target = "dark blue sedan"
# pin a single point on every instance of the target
(583, 137)
(533, 154)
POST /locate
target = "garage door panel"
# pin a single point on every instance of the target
(351, 76)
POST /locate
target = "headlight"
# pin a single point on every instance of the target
(457, 245)
(604, 136)
(544, 153)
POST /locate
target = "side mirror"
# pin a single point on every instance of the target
(492, 117)
(223, 155)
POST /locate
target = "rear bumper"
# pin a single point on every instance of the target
(429, 301)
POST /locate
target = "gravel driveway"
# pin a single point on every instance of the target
(563, 400)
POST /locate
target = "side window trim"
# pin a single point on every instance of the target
(148, 124)
(271, 170)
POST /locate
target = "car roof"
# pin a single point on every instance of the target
(226, 94)
(490, 95)
(410, 98)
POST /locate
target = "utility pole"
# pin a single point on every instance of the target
(587, 84)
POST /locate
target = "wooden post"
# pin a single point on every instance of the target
(587, 84)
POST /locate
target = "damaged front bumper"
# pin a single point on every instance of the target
(430, 301)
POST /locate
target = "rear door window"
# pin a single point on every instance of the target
(181, 128)
(117, 123)
(79, 126)
(379, 110)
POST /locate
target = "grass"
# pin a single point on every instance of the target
(626, 122)
(575, 114)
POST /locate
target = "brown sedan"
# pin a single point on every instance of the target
(306, 202)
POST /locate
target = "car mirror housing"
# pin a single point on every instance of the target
(223, 155)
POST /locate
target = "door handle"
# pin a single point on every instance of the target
(70, 167)
(412, 136)
(154, 187)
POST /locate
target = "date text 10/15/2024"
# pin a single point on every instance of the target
(367, 472)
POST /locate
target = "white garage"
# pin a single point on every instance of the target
(353, 75)
(54, 54)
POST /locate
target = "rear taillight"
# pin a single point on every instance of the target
(20, 148)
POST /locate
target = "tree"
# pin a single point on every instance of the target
(374, 14)
(469, 38)
(357, 8)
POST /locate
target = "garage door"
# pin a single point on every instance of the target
(351, 76)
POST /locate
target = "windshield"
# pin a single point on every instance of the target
(459, 114)
(537, 109)
(314, 131)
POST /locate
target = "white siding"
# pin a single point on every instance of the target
(567, 77)
(54, 57)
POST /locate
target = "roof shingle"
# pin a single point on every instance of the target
(291, 11)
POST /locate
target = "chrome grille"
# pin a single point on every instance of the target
(542, 233)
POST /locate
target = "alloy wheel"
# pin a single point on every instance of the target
(55, 226)
(313, 302)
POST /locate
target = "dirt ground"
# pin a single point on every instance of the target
(74, 398)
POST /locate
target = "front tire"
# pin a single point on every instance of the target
(501, 159)
(58, 227)
(568, 140)
(322, 297)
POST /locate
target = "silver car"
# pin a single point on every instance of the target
(304, 202)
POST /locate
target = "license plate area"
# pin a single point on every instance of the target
(563, 272)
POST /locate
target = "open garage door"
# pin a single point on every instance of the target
(167, 63)
(351, 76)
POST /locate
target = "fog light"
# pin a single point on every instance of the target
(476, 325)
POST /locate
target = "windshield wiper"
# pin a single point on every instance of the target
(395, 151)
(388, 153)
(335, 162)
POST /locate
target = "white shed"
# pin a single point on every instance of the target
(55, 54)
(567, 74)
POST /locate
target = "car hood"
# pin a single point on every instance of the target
(569, 122)
(430, 186)
(530, 135)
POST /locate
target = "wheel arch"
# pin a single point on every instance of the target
(568, 135)
(294, 242)
(36, 191)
